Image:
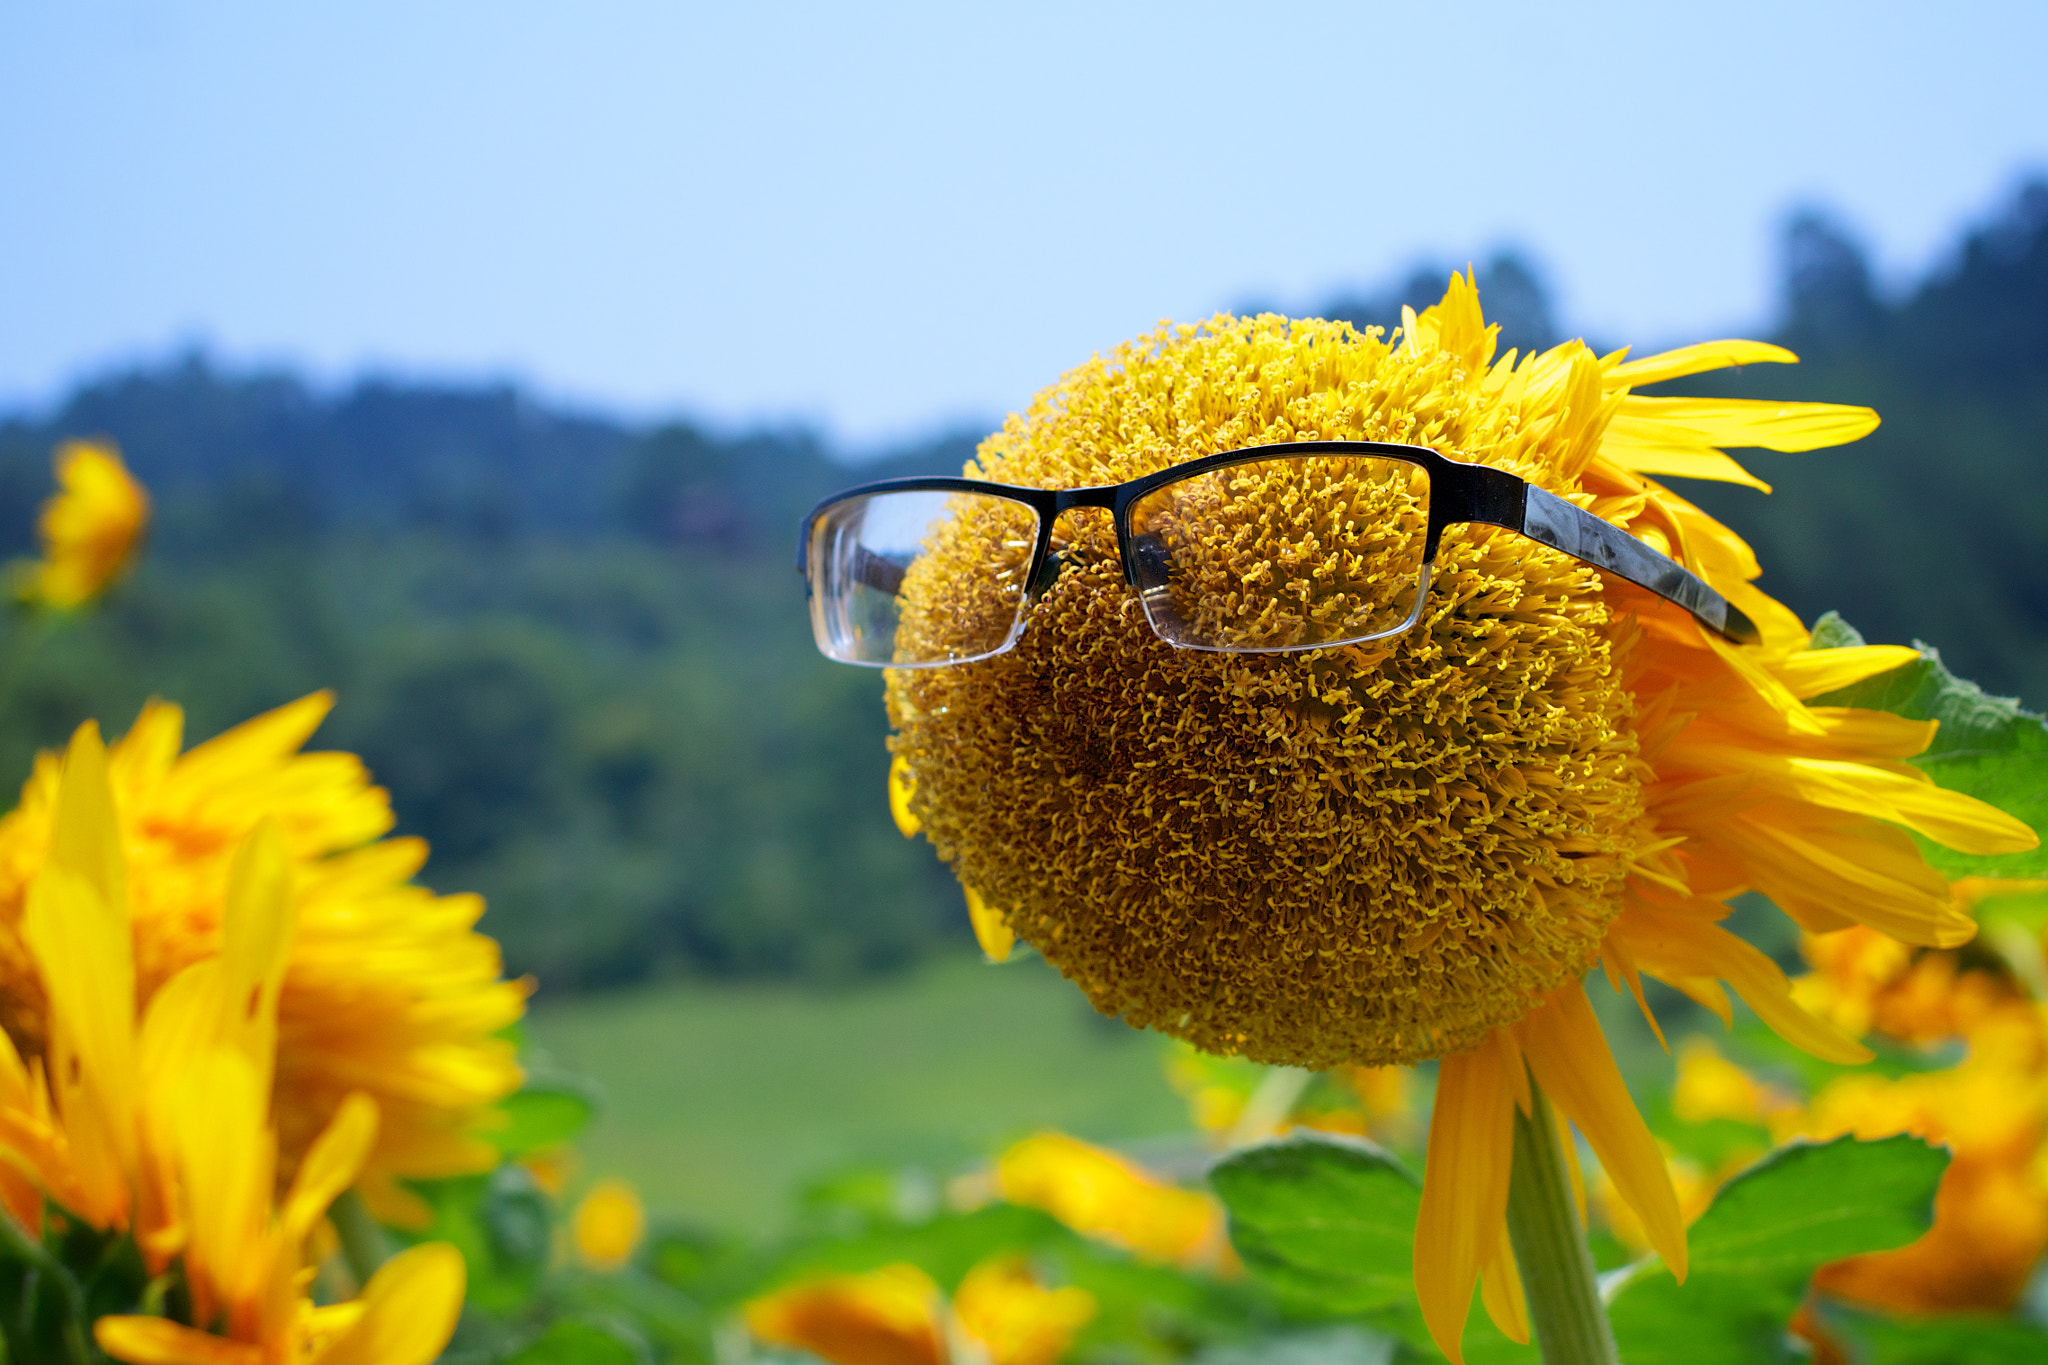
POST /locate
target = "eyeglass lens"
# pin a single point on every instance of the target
(1283, 553)
(915, 579)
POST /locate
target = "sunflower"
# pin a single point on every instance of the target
(608, 1224)
(388, 989)
(155, 1120)
(896, 1315)
(89, 530)
(1102, 1195)
(1991, 1110)
(1416, 848)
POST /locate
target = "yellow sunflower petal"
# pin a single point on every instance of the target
(1500, 1289)
(991, 930)
(1697, 359)
(159, 1341)
(901, 785)
(1646, 446)
(1829, 872)
(1749, 422)
(77, 930)
(1464, 1185)
(888, 1316)
(331, 1165)
(226, 1161)
(1899, 795)
(143, 755)
(1569, 1056)
(256, 745)
(1875, 734)
(1811, 672)
(256, 935)
(409, 1311)
(85, 837)
(1671, 944)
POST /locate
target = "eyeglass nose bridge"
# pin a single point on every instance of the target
(1052, 560)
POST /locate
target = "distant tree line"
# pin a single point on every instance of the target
(575, 651)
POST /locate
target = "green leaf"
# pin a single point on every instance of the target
(1325, 1220)
(1987, 747)
(1753, 1251)
(1951, 1339)
(543, 1113)
(1328, 1224)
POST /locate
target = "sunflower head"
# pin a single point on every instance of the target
(90, 530)
(1369, 854)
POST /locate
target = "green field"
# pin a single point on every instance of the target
(722, 1099)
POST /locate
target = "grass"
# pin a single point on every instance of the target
(723, 1099)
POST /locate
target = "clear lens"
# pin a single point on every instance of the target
(1293, 552)
(911, 580)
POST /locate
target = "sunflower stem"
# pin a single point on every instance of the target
(1550, 1245)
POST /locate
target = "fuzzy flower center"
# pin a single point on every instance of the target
(1371, 854)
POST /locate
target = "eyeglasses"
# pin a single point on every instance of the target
(1276, 548)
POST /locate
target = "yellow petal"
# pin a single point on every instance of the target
(158, 1341)
(1569, 1057)
(1014, 1318)
(77, 930)
(1500, 1289)
(888, 1316)
(1749, 422)
(1670, 943)
(1650, 447)
(1464, 1185)
(143, 755)
(991, 930)
(1823, 871)
(409, 1311)
(181, 1023)
(330, 1165)
(255, 745)
(901, 785)
(1954, 819)
(1697, 359)
(1811, 672)
(226, 1160)
(1105, 1196)
(85, 836)
(256, 935)
(1875, 734)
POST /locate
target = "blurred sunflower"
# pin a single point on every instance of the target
(1991, 1110)
(89, 531)
(388, 990)
(1102, 1195)
(155, 1121)
(1416, 848)
(1000, 1315)
(608, 1224)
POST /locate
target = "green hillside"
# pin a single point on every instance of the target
(722, 1097)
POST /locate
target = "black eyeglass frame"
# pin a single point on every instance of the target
(1459, 494)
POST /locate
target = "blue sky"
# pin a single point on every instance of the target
(886, 217)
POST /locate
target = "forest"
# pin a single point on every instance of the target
(574, 649)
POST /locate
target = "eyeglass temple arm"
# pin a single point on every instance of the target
(1565, 526)
(1551, 520)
